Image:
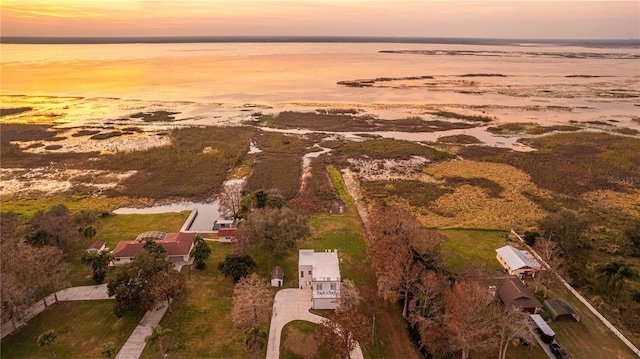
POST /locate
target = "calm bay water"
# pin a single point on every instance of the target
(283, 73)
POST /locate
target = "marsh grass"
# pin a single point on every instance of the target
(82, 328)
(386, 148)
(416, 193)
(572, 164)
(459, 139)
(340, 122)
(530, 128)
(184, 169)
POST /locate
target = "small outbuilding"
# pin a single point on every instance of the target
(223, 223)
(277, 276)
(97, 247)
(560, 310)
(227, 235)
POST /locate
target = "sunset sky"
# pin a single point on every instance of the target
(452, 18)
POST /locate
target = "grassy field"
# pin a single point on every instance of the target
(297, 342)
(82, 328)
(201, 319)
(464, 246)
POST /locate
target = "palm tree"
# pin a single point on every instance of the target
(613, 274)
(108, 350)
(200, 252)
(47, 338)
(254, 336)
(157, 333)
(90, 231)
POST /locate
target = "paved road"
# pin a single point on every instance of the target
(290, 305)
(134, 346)
(89, 292)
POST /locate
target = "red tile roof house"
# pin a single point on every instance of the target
(97, 247)
(227, 235)
(177, 245)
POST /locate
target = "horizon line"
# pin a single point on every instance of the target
(288, 38)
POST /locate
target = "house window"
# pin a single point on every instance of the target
(309, 272)
(301, 274)
(332, 286)
(319, 286)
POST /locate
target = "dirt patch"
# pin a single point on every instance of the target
(14, 111)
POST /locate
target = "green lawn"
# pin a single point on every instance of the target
(464, 245)
(201, 319)
(82, 328)
(115, 228)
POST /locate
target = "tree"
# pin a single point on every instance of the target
(128, 282)
(90, 231)
(230, 199)
(349, 298)
(200, 252)
(276, 230)
(99, 264)
(55, 227)
(401, 251)
(252, 302)
(164, 285)
(108, 350)
(156, 335)
(259, 200)
(511, 325)
(565, 228)
(549, 252)
(610, 277)
(426, 311)
(342, 333)
(469, 317)
(254, 338)
(236, 266)
(47, 338)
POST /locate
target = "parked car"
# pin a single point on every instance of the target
(558, 352)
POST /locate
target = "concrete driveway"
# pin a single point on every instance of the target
(290, 305)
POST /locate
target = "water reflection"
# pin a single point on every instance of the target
(207, 212)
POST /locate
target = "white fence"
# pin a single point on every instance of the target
(593, 310)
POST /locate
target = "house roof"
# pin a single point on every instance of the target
(97, 245)
(277, 273)
(325, 265)
(517, 259)
(512, 292)
(224, 232)
(175, 244)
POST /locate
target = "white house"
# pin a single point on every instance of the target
(320, 271)
(518, 262)
(177, 246)
(227, 235)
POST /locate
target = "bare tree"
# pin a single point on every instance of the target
(342, 333)
(549, 251)
(401, 251)
(252, 302)
(349, 298)
(230, 199)
(470, 317)
(511, 325)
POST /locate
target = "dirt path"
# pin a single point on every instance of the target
(353, 186)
